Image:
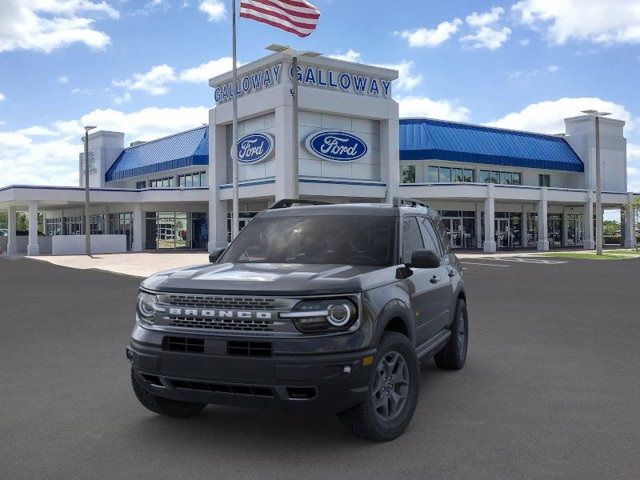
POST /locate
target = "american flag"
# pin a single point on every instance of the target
(295, 16)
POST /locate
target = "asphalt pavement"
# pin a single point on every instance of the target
(551, 389)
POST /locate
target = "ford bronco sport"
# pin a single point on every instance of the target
(323, 308)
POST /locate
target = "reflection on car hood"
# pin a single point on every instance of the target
(271, 278)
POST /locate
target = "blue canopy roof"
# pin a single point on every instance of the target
(427, 139)
(180, 150)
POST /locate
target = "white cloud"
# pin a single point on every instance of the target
(49, 154)
(524, 42)
(424, 37)
(595, 21)
(214, 9)
(2, 96)
(349, 56)
(45, 25)
(154, 81)
(414, 106)
(407, 78)
(63, 79)
(548, 116)
(203, 72)
(487, 37)
(486, 18)
(121, 99)
(526, 75)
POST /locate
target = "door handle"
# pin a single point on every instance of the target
(452, 274)
(435, 279)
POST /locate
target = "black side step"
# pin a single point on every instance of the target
(430, 347)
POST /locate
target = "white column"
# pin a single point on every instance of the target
(478, 225)
(489, 221)
(217, 221)
(138, 222)
(629, 224)
(589, 238)
(33, 248)
(12, 246)
(284, 156)
(543, 233)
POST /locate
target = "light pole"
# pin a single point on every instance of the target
(87, 217)
(294, 54)
(599, 236)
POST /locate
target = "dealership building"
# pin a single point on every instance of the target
(495, 188)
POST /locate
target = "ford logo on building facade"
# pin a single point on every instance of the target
(255, 147)
(336, 146)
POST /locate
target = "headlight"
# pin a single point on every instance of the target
(323, 316)
(147, 306)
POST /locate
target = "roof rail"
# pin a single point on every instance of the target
(408, 202)
(289, 202)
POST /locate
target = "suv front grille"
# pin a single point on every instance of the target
(214, 302)
(227, 324)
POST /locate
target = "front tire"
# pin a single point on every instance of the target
(393, 392)
(454, 354)
(164, 406)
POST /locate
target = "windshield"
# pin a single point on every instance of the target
(319, 239)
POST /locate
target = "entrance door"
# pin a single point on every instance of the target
(504, 235)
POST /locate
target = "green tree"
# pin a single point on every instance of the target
(611, 228)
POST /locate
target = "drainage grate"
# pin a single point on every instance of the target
(249, 349)
(183, 344)
(250, 390)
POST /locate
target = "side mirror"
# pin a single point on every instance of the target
(215, 255)
(425, 259)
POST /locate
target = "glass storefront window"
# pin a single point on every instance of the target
(485, 176)
(445, 174)
(408, 174)
(516, 179)
(432, 175)
(554, 227)
(176, 230)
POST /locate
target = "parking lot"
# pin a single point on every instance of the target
(550, 389)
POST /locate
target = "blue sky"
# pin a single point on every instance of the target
(142, 66)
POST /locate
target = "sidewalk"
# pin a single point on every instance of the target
(148, 263)
(135, 264)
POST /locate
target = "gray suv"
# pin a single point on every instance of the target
(314, 308)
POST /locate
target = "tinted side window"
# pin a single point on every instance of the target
(411, 238)
(430, 237)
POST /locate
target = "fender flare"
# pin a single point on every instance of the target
(392, 310)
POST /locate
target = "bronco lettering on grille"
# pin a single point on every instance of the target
(209, 313)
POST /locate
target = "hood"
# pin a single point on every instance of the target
(270, 278)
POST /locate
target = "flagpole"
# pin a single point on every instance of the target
(294, 130)
(235, 216)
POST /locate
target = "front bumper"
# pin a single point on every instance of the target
(321, 383)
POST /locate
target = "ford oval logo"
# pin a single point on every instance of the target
(336, 146)
(255, 147)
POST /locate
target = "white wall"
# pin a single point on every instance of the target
(75, 244)
(613, 148)
(105, 146)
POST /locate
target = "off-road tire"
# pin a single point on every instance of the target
(164, 406)
(454, 354)
(363, 420)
